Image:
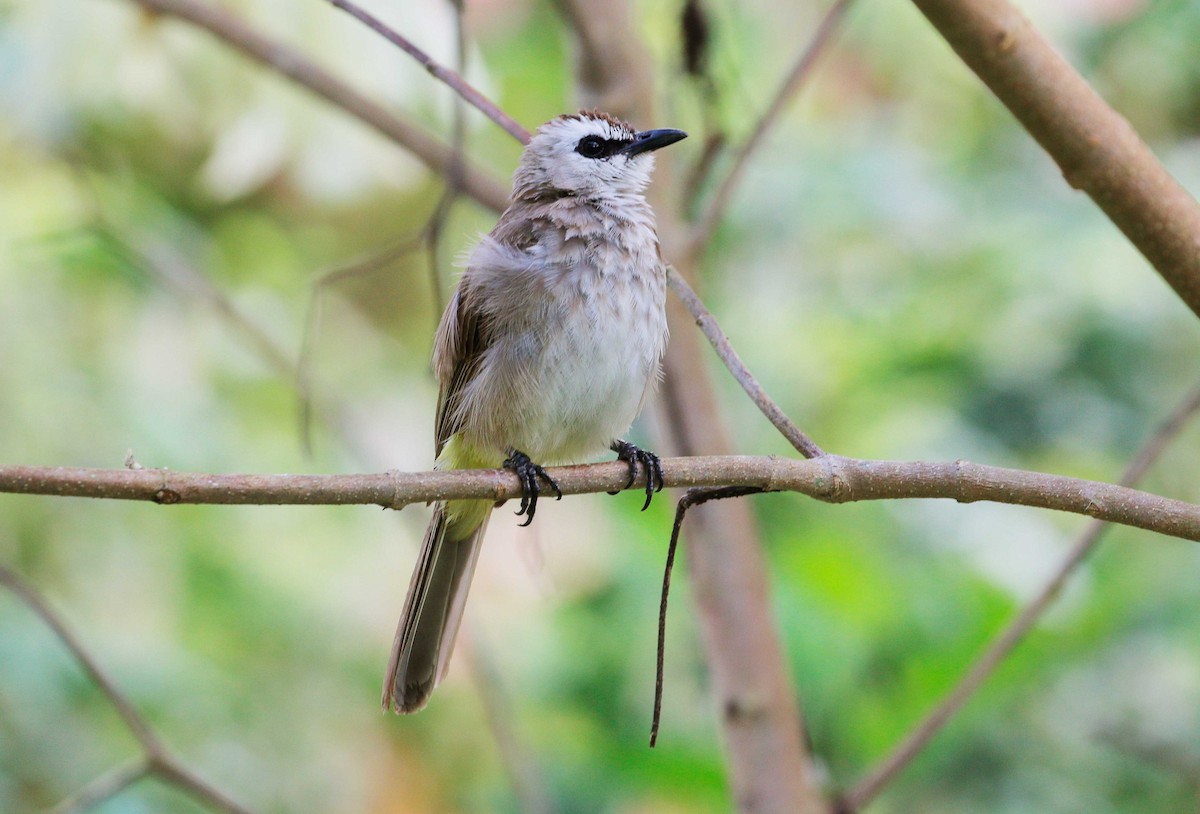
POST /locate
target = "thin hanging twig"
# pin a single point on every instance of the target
(693, 497)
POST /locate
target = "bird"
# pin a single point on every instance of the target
(545, 354)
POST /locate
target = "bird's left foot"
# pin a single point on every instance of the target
(635, 455)
(531, 476)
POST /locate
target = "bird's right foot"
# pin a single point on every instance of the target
(531, 476)
(634, 455)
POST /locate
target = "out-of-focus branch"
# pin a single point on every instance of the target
(525, 775)
(1007, 639)
(300, 69)
(439, 71)
(612, 67)
(156, 760)
(160, 260)
(707, 324)
(757, 708)
(787, 91)
(830, 478)
(131, 717)
(458, 143)
(1096, 149)
(301, 374)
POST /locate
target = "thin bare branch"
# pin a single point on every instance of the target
(33, 599)
(177, 774)
(1096, 149)
(830, 478)
(440, 72)
(1007, 639)
(458, 143)
(300, 69)
(104, 787)
(162, 261)
(787, 91)
(707, 324)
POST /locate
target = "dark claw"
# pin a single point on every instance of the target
(634, 455)
(531, 476)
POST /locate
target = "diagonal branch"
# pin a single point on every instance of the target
(179, 775)
(707, 324)
(1015, 632)
(161, 261)
(525, 775)
(133, 719)
(1096, 149)
(438, 71)
(300, 69)
(157, 760)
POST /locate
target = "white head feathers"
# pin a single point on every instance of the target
(588, 154)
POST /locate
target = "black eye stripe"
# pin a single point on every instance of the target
(596, 147)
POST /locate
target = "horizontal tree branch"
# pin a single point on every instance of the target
(830, 478)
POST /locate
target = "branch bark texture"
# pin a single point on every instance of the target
(1096, 148)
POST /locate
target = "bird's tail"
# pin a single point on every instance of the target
(435, 602)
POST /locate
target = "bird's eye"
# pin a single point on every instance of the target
(591, 147)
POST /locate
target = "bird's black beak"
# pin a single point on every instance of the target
(652, 140)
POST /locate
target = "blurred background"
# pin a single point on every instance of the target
(902, 267)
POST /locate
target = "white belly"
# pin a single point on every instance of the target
(562, 390)
(595, 379)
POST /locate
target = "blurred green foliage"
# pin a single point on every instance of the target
(903, 268)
